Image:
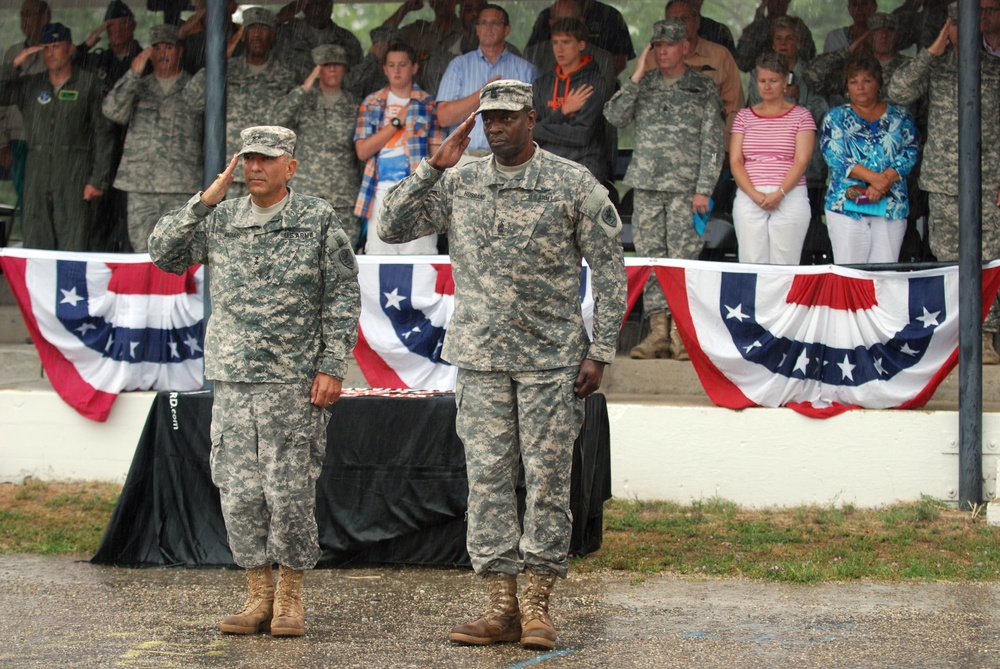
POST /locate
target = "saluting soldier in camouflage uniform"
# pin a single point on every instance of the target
(825, 74)
(518, 224)
(70, 143)
(254, 82)
(679, 130)
(324, 117)
(933, 73)
(162, 161)
(285, 308)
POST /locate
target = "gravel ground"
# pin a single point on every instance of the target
(56, 612)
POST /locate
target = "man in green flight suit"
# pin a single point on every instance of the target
(69, 143)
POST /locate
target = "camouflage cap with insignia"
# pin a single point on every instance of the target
(255, 15)
(505, 95)
(329, 53)
(882, 20)
(670, 31)
(268, 140)
(164, 33)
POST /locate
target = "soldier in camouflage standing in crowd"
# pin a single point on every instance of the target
(254, 82)
(933, 73)
(679, 129)
(162, 160)
(285, 304)
(519, 222)
(323, 117)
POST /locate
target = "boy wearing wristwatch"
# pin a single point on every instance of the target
(397, 128)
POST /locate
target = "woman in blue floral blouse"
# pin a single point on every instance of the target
(870, 146)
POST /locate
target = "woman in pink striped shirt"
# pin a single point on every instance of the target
(770, 149)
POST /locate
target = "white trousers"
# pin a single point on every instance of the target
(773, 237)
(872, 239)
(375, 246)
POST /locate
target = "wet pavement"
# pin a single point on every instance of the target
(57, 612)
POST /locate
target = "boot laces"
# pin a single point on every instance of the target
(536, 596)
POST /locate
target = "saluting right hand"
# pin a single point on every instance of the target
(139, 62)
(939, 45)
(454, 146)
(311, 79)
(640, 64)
(215, 193)
(25, 54)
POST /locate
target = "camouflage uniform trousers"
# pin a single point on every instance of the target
(943, 224)
(662, 228)
(503, 417)
(268, 446)
(144, 210)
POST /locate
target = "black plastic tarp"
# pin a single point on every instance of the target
(393, 488)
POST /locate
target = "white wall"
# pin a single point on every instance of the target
(763, 457)
(754, 457)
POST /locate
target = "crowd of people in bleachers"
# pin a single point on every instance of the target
(860, 138)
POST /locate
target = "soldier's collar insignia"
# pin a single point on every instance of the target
(69, 95)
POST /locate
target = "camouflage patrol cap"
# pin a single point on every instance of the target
(953, 11)
(260, 15)
(670, 31)
(55, 32)
(329, 53)
(164, 33)
(268, 140)
(882, 20)
(505, 95)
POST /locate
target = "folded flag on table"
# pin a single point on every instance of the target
(105, 323)
(819, 340)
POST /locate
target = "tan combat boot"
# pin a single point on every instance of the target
(256, 613)
(289, 614)
(990, 355)
(536, 627)
(502, 619)
(677, 350)
(656, 344)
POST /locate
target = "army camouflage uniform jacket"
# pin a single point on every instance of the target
(163, 146)
(250, 97)
(285, 297)
(515, 252)
(937, 79)
(328, 165)
(679, 131)
(825, 74)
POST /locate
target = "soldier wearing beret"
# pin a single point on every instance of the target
(519, 223)
(285, 308)
(679, 150)
(323, 116)
(162, 160)
(70, 143)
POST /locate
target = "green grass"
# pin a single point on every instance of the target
(55, 518)
(923, 540)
